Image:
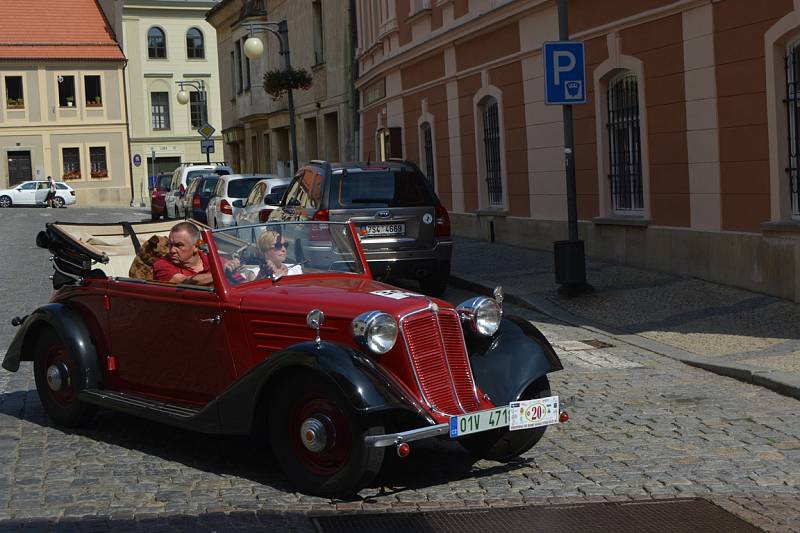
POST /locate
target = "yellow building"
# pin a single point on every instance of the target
(62, 110)
(167, 42)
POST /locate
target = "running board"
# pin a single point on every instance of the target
(203, 419)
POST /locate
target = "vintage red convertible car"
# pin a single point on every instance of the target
(331, 366)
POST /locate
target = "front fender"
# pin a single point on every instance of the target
(73, 331)
(506, 364)
(365, 385)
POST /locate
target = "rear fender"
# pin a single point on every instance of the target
(367, 387)
(506, 364)
(72, 330)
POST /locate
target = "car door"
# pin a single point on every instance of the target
(211, 210)
(42, 190)
(169, 341)
(25, 194)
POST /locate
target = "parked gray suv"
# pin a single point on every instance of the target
(404, 228)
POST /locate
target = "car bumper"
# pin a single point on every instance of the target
(410, 263)
(393, 439)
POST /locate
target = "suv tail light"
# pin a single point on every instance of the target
(196, 202)
(154, 193)
(442, 226)
(263, 215)
(225, 207)
(322, 215)
(319, 232)
(72, 193)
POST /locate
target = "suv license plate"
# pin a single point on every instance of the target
(526, 414)
(383, 230)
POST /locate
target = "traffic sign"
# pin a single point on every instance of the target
(207, 146)
(564, 73)
(206, 130)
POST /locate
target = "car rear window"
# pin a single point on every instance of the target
(192, 174)
(61, 186)
(380, 188)
(164, 182)
(241, 188)
(208, 185)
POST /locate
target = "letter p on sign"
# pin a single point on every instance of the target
(564, 73)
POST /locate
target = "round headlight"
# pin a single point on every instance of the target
(376, 331)
(482, 315)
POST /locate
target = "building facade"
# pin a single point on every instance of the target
(169, 41)
(255, 125)
(62, 111)
(686, 153)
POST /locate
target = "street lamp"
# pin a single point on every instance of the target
(254, 47)
(183, 98)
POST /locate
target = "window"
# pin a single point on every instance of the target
(319, 49)
(66, 91)
(159, 104)
(238, 50)
(194, 44)
(625, 159)
(793, 109)
(233, 77)
(491, 151)
(197, 109)
(15, 97)
(427, 144)
(156, 43)
(71, 158)
(97, 160)
(247, 71)
(92, 91)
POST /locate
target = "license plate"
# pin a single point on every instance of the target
(383, 230)
(526, 414)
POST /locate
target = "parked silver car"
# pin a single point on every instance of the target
(262, 200)
(220, 210)
(182, 178)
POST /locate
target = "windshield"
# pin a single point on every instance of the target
(278, 249)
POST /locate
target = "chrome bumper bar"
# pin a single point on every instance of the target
(393, 439)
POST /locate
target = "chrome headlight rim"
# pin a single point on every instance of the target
(481, 315)
(365, 328)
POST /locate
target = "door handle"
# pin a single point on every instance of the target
(216, 320)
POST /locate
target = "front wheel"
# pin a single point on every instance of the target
(56, 378)
(5, 201)
(502, 444)
(319, 440)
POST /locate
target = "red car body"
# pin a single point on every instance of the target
(158, 196)
(227, 358)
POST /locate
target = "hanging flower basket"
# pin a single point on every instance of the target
(277, 82)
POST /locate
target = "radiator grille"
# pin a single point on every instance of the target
(440, 362)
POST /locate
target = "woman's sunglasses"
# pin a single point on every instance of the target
(279, 245)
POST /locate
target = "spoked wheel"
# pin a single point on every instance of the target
(5, 201)
(56, 379)
(58, 201)
(502, 444)
(319, 441)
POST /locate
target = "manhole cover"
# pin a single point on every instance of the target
(675, 516)
(597, 343)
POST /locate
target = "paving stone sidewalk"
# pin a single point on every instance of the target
(727, 330)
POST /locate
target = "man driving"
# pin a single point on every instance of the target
(185, 262)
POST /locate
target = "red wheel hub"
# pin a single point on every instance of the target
(320, 435)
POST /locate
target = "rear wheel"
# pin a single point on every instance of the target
(58, 201)
(5, 201)
(56, 376)
(435, 283)
(319, 440)
(503, 445)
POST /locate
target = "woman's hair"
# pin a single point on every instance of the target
(267, 240)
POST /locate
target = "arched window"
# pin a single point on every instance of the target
(491, 150)
(156, 43)
(194, 44)
(624, 143)
(426, 138)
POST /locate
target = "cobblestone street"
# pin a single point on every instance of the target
(642, 426)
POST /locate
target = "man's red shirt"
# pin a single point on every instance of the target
(164, 269)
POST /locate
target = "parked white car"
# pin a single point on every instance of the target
(35, 193)
(182, 178)
(265, 196)
(220, 211)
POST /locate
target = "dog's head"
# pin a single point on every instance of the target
(156, 246)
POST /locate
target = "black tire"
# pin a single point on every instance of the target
(344, 465)
(5, 201)
(58, 201)
(154, 216)
(502, 444)
(62, 404)
(436, 282)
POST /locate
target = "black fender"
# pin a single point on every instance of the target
(73, 331)
(507, 363)
(366, 386)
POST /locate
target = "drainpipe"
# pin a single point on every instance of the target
(128, 126)
(354, 101)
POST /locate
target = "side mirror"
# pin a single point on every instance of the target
(238, 203)
(271, 199)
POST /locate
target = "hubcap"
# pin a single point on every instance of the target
(313, 434)
(57, 377)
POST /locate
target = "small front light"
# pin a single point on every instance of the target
(481, 315)
(376, 331)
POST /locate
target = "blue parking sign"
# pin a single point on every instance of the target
(564, 73)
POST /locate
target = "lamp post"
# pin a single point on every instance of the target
(254, 47)
(183, 98)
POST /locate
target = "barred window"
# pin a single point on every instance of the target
(156, 43)
(194, 44)
(793, 110)
(159, 103)
(427, 143)
(491, 147)
(625, 157)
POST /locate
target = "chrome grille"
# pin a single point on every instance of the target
(439, 360)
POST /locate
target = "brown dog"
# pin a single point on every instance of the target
(154, 248)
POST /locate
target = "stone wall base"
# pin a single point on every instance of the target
(103, 197)
(768, 263)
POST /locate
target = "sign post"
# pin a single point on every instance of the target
(565, 84)
(206, 144)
